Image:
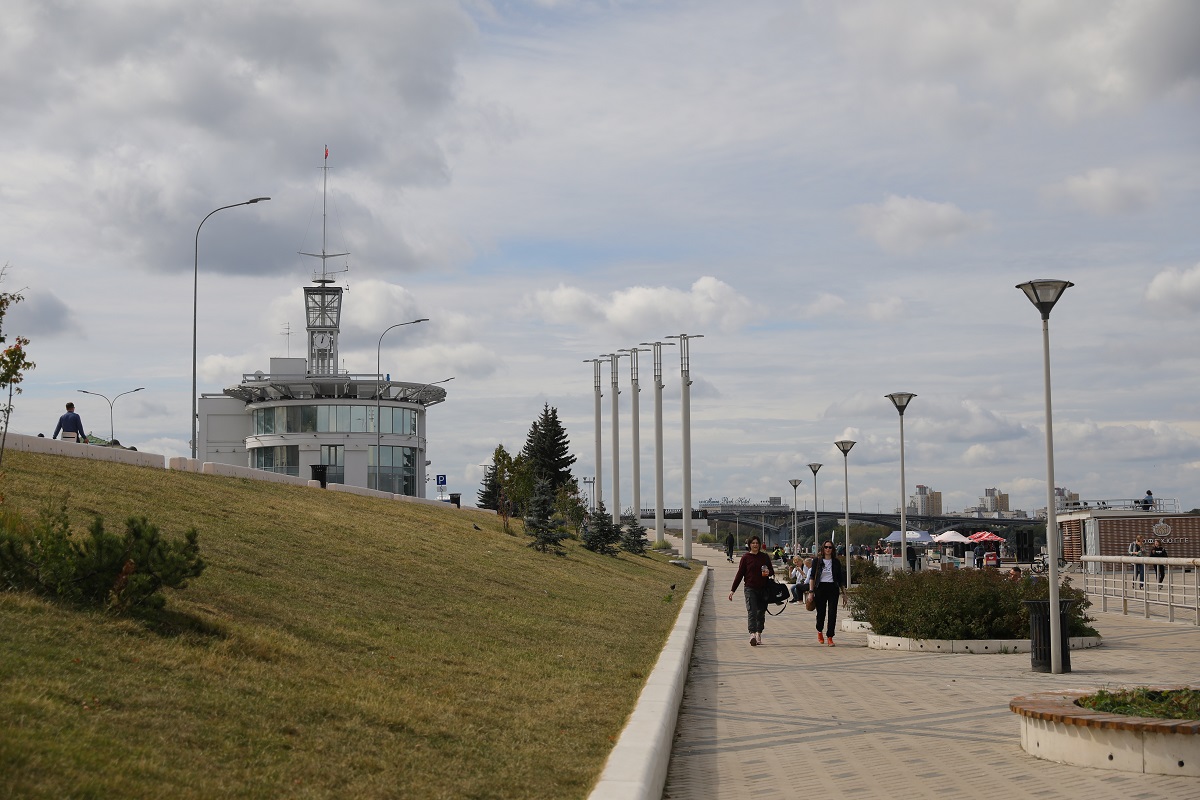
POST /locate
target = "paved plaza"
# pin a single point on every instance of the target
(793, 718)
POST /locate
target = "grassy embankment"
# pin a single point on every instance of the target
(336, 646)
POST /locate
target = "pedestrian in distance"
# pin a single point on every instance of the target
(1139, 570)
(70, 425)
(912, 559)
(826, 581)
(729, 545)
(755, 569)
(1148, 501)
(1158, 551)
(801, 569)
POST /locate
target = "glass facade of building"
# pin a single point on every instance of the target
(333, 419)
(393, 469)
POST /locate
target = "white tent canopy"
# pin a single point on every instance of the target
(911, 536)
(950, 537)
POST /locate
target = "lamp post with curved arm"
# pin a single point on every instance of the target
(901, 400)
(379, 394)
(111, 429)
(196, 309)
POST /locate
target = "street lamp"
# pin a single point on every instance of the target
(659, 521)
(844, 445)
(111, 430)
(685, 371)
(816, 533)
(196, 307)
(794, 482)
(613, 360)
(636, 431)
(379, 397)
(1044, 294)
(901, 400)
(597, 393)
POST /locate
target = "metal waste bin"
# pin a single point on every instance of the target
(318, 473)
(1039, 634)
(456, 499)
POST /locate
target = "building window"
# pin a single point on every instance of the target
(393, 469)
(334, 457)
(333, 419)
(284, 459)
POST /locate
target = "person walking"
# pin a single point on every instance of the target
(1139, 569)
(756, 570)
(826, 584)
(1158, 551)
(71, 426)
(729, 543)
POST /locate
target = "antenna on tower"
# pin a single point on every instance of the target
(324, 276)
(287, 331)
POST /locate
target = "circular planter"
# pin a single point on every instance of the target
(968, 645)
(1055, 729)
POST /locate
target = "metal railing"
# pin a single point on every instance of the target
(1167, 586)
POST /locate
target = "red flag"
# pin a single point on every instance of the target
(326, 152)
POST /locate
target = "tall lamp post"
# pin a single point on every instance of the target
(1044, 294)
(685, 372)
(112, 436)
(659, 521)
(844, 445)
(636, 428)
(901, 400)
(379, 396)
(597, 394)
(613, 360)
(196, 308)
(816, 523)
(795, 482)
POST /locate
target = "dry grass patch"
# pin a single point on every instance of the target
(336, 645)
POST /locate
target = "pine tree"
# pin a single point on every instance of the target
(548, 449)
(489, 492)
(539, 522)
(633, 537)
(601, 536)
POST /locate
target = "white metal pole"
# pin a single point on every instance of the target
(636, 432)
(795, 482)
(659, 518)
(903, 503)
(616, 439)
(599, 484)
(686, 397)
(844, 445)
(816, 518)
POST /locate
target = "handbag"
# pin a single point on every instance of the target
(777, 592)
(810, 601)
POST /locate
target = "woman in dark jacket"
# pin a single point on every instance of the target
(755, 568)
(826, 582)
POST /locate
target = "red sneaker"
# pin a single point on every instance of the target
(830, 642)
(820, 638)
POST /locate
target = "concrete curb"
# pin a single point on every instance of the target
(636, 769)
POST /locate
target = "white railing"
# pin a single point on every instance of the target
(1113, 581)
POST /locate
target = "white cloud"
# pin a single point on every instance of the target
(886, 310)
(824, 304)
(1176, 287)
(905, 225)
(709, 302)
(1107, 191)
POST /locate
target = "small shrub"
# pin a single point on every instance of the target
(601, 535)
(119, 572)
(864, 569)
(1146, 702)
(633, 537)
(706, 538)
(663, 545)
(959, 605)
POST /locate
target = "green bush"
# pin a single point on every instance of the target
(864, 569)
(118, 572)
(707, 538)
(959, 604)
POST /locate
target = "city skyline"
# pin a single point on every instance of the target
(841, 198)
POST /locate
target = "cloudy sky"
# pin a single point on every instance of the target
(839, 197)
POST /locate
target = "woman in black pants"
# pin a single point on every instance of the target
(755, 568)
(826, 582)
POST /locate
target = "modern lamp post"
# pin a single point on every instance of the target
(1044, 294)
(112, 436)
(795, 482)
(659, 520)
(685, 371)
(816, 523)
(196, 308)
(901, 400)
(844, 445)
(636, 428)
(597, 393)
(379, 397)
(613, 360)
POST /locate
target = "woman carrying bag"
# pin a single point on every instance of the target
(826, 583)
(755, 568)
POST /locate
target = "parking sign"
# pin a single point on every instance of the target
(441, 480)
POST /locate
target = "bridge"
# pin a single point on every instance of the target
(773, 529)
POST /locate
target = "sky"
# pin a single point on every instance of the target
(839, 197)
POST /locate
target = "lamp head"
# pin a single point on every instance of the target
(256, 200)
(1044, 293)
(814, 468)
(901, 400)
(795, 482)
(844, 445)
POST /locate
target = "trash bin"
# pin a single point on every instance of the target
(318, 473)
(991, 560)
(1039, 634)
(456, 499)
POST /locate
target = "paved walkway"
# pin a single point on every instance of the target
(795, 719)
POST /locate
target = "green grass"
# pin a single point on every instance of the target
(1145, 702)
(336, 646)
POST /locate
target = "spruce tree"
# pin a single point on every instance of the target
(539, 521)
(633, 536)
(548, 449)
(489, 492)
(601, 536)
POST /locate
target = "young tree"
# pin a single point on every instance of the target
(633, 536)
(548, 450)
(571, 505)
(13, 361)
(539, 521)
(601, 536)
(489, 492)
